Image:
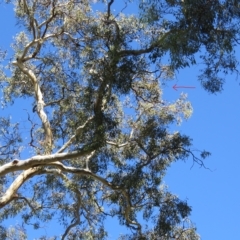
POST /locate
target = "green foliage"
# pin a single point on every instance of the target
(97, 142)
(193, 26)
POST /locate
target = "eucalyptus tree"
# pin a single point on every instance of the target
(97, 140)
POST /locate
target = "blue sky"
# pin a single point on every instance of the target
(214, 126)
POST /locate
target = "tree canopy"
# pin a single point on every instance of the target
(97, 141)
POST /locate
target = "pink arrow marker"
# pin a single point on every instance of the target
(175, 87)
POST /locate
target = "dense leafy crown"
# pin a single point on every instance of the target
(96, 142)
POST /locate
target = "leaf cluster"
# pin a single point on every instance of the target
(98, 139)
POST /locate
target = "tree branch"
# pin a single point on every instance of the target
(116, 144)
(27, 201)
(40, 105)
(40, 160)
(78, 131)
(11, 191)
(106, 183)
